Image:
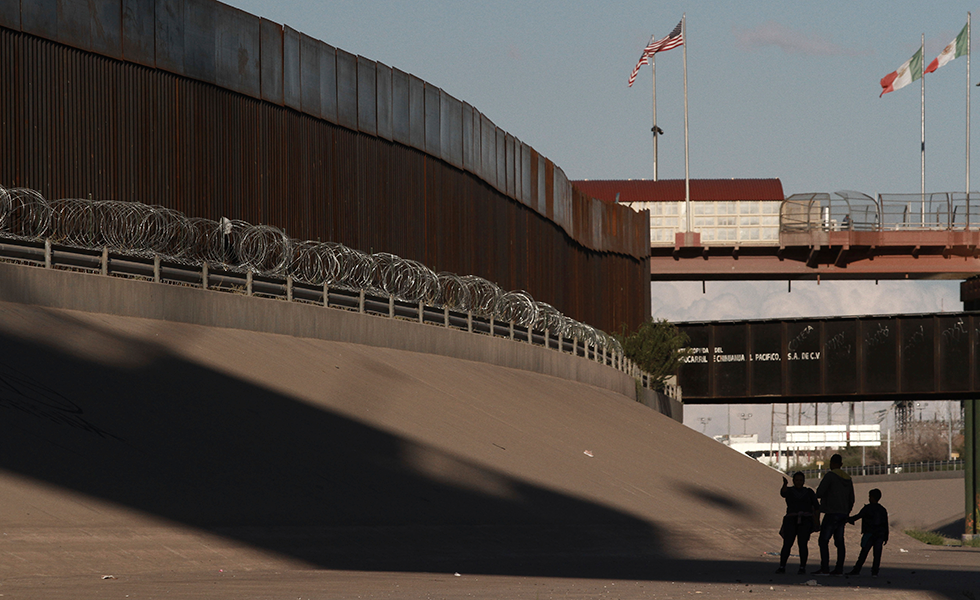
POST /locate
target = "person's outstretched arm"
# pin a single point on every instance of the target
(860, 515)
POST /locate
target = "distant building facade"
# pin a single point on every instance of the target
(802, 439)
(726, 212)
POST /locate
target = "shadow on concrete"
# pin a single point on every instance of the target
(194, 446)
(717, 499)
(952, 528)
(743, 576)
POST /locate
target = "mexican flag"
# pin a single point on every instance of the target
(911, 70)
(954, 49)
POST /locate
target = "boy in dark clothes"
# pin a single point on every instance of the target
(802, 517)
(874, 532)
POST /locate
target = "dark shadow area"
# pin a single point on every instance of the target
(199, 448)
(717, 499)
(743, 575)
(952, 529)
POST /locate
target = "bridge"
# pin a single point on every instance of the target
(894, 357)
(839, 359)
(845, 235)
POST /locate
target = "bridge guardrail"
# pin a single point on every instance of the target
(892, 469)
(853, 211)
(845, 211)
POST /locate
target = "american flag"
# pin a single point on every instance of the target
(674, 39)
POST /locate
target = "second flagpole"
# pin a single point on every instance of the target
(653, 67)
(922, 53)
(687, 172)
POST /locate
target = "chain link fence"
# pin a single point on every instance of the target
(893, 469)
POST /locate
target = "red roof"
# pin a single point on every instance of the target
(672, 190)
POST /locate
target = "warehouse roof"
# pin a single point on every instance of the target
(672, 190)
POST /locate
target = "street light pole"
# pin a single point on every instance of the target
(745, 417)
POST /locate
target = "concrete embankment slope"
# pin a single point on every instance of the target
(213, 462)
(123, 436)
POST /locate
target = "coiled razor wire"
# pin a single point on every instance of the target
(143, 230)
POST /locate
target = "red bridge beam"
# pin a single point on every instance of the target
(901, 254)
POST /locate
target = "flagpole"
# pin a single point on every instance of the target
(687, 171)
(653, 67)
(968, 86)
(923, 152)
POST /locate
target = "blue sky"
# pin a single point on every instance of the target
(776, 89)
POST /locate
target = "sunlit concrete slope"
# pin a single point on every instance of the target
(125, 442)
(226, 462)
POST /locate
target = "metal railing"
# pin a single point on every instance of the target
(892, 469)
(845, 211)
(854, 211)
(129, 239)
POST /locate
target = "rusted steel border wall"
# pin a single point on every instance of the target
(200, 107)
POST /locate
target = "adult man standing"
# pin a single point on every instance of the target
(836, 495)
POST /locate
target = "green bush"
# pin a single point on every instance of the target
(929, 537)
(657, 347)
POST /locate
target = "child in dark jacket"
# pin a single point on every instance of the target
(874, 532)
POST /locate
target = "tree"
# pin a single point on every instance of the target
(657, 347)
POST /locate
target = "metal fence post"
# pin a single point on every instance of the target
(326, 295)
(491, 327)
(360, 301)
(511, 330)
(445, 316)
(204, 276)
(971, 452)
(248, 283)
(391, 306)
(546, 335)
(469, 321)
(289, 288)
(156, 268)
(421, 312)
(104, 261)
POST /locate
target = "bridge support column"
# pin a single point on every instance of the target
(971, 459)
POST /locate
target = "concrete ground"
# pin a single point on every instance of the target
(146, 459)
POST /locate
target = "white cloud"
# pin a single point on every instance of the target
(722, 300)
(791, 41)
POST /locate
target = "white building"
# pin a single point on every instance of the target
(726, 212)
(782, 454)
